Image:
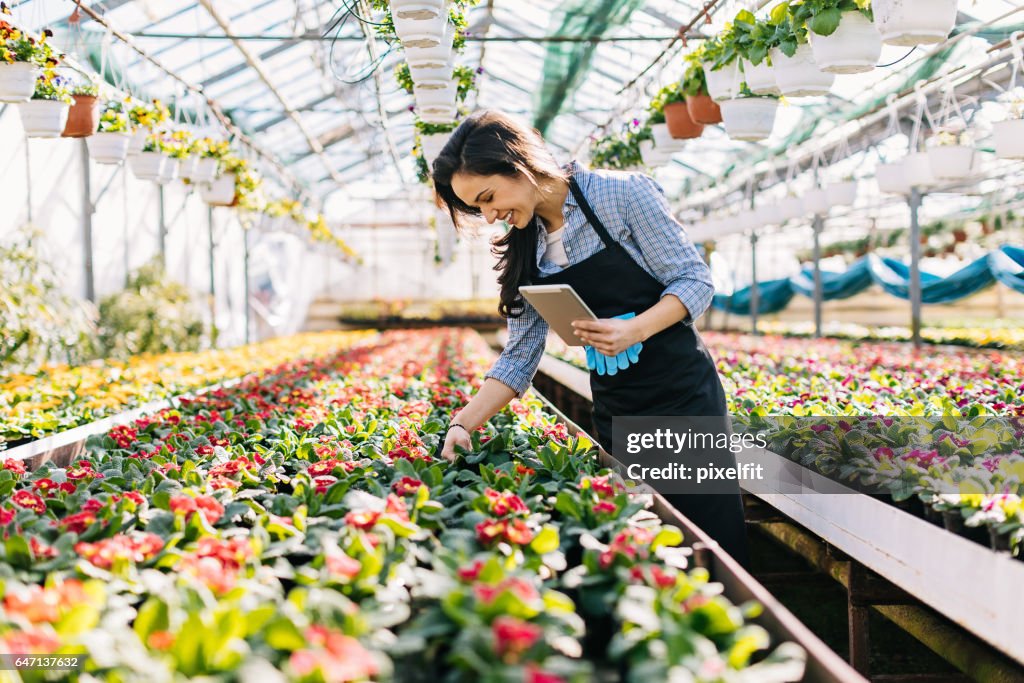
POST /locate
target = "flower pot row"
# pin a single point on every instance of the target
(939, 164)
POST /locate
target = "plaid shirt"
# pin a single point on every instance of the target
(636, 214)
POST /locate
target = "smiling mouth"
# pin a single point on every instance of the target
(508, 216)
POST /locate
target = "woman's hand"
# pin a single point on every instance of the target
(609, 336)
(456, 436)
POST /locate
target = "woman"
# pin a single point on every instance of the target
(612, 237)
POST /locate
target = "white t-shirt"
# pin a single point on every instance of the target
(555, 251)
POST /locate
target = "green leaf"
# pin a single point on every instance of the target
(153, 616)
(826, 22)
(546, 541)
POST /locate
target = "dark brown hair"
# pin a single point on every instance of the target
(492, 143)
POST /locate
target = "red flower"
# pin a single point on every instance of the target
(363, 519)
(605, 507)
(340, 564)
(16, 466)
(161, 640)
(602, 486)
(472, 572)
(535, 675)
(324, 482)
(407, 486)
(29, 501)
(105, 553)
(207, 506)
(204, 450)
(6, 516)
(489, 530)
(78, 523)
(505, 502)
(524, 471)
(45, 486)
(513, 637)
(518, 532)
(40, 550)
(30, 642)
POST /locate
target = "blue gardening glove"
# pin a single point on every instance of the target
(609, 365)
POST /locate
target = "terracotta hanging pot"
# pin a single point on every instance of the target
(680, 125)
(83, 118)
(703, 109)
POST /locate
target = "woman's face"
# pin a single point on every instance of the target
(499, 198)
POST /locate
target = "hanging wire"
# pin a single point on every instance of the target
(334, 26)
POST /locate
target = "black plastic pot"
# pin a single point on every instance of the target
(954, 522)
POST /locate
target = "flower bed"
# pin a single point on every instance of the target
(961, 466)
(995, 335)
(58, 397)
(295, 526)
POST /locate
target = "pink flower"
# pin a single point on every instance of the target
(407, 486)
(342, 565)
(513, 637)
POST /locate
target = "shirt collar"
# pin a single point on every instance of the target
(574, 168)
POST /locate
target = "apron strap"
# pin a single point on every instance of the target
(588, 211)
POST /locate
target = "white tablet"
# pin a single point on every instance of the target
(559, 305)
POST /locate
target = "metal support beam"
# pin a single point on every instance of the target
(162, 227)
(87, 210)
(245, 271)
(755, 294)
(213, 274)
(915, 266)
(260, 68)
(818, 225)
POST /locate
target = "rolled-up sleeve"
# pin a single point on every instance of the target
(667, 251)
(518, 362)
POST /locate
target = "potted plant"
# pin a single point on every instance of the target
(842, 193)
(110, 143)
(892, 178)
(1008, 135)
(209, 153)
(702, 108)
(754, 39)
(796, 72)
(46, 114)
(619, 151)
(179, 148)
(671, 102)
(431, 98)
(431, 139)
(149, 162)
(918, 170)
(721, 67)
(791, 207)
(951, 153)
(816, 201)
(914, 22)
(418, 9)
(84, 115)
(22, 59)
(749, 117)
(145, 118)
(842, 34)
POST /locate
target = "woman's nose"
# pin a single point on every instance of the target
(492, 215)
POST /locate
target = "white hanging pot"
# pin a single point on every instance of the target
(663, 139)
(914, 22)
(431, 98)
(430, 74)
(816, 201)
(221, 192)
(854, 47)
(432, 145)
(148, 165)
(652, 155)
(760, 78)
(769, 214)
(892, 178)
(438, 114)
(791, 208)
(951, 162)
(724, 83)
(842, 193)
(187, 168)
(169, 171)
(434, 55)
(44, 118)
(749, 118)
(138, 141)
(421, 32)
(1008, 137)
(205, 170)
(108, 148)
(917, 167)
(799, 75)
(18, 81)
(417, 9)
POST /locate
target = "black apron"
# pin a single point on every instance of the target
(675, 374)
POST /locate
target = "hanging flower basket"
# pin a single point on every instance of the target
(791, 208)
(148, 165)
(421, 32)
(842, 193)
(205, 170)
(680, 125)
(892, 178)
(799, 75)
(914, 22)
(749, 118)
(221, 192)
(951, 162)
(769, 214)
(1008, 138)
(435, 55)
(417, 9)
(760, 78)
(854, 48)
(918, 170)
(108, 148)
(703, 109)
(663, 139)
(438, 114)
(83, 117)
(432, 145)
(187, 168)
(724, 83)
(432, 98)
(816, 202)
(18, 81)
(431, 74)
(138, 141)
(653, 156)
(43, 118)
(168, 172)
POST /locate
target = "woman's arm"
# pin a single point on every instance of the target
(491, 398)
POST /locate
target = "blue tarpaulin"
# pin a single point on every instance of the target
(1005, 265)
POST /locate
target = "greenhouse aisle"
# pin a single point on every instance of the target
(546, 341)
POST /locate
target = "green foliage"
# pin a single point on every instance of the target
(152, 314)
(114, 118)
(51, 87)
(41, 323)
(694, 81)
(403, 76)
(619, 151)
(823, 16)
